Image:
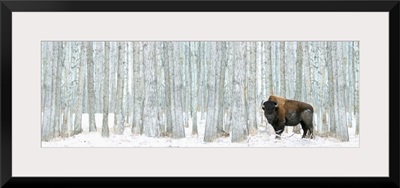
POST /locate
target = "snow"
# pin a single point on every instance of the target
(264, 138)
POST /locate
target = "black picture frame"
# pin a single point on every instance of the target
(7, 7)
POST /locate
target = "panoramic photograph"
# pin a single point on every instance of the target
(294, 94)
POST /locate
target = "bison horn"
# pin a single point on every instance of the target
(276, 105)
(262, 103)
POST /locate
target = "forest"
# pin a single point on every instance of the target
(157, 88)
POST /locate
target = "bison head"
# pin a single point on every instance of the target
(270, 107)
(270, 111)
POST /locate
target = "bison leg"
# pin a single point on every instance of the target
(279, 130)
(278, 133)
(305, 129)
(307, 123)
(311, 132)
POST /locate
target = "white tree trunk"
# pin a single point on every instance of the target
(204, 88)
(259, 76)
(331, 76)
(210, 133)
(150, 125)
(324, 96)
(239, 125)
(342, 130)
(220, 89)
(65, 90)
(137, 82)
(178, 130)
(186, 81)
(228, 87)
(161, 97)
(356, 87)
(105, 130)
(167, 46)
(90, 85)
(47, 130)
(299, 79)
(194, 65)
(79, 98)
(56, 89)
(251, 89)
(307, 91)
(270, 74)
(118, 117)
(282, 63)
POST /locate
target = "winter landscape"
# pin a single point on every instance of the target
(145, 94)
(264, 138)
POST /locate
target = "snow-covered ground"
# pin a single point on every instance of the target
(264, 138)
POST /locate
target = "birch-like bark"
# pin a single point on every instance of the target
(178, 127)
(90, 85)
(271, 69)
(105, 129)
(168, 88)
(228, 87)
(47, 130)
(150, 125)
(56, 89)
(220, 89)
(239, 125)
(251, 89)
(342, 131)
(210, 133)
(138, 89)
(299, 79)
(79, 98)
(65, 90)
(161, 97)
(357, 86)
(282, 51)
(194, 63)
(118, 117)
(332, 117)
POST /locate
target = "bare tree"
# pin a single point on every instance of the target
(118, 117)
(47, 130)
(137, 86)
(150, 125)
(210, 133)
(178, 130)
(239, 125)
(79, 98)
(282, 48)
(168, 87)
(251, 89)
(65, 91)
(194, 63)
(299, 78)
(90, 85)
(161, 97)
(57, 88)
(342, 130)
(221, 89)
(356, 63)
(105, 130)
(271, 68)
(228, 85)
(331, 76)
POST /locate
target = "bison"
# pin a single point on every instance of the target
(281, 112)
